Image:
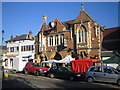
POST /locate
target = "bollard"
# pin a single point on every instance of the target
(5, 73)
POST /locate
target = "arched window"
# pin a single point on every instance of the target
(62, 39)
(79, 36)
(82, 35)
(51, 40)
(56, 40)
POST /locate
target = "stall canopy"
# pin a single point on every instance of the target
(67, 59)
(49, 61)
(115, 58)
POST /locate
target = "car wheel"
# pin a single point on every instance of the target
(118, 82)
(13, 72)
(90, 79)
(36, 73)
(26, 71)
(71, 78)
(51, 75)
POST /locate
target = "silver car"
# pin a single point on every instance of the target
(103, 74)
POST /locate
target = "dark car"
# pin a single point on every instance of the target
(63, 72)
(35, 68)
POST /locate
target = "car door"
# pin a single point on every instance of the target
(28, 67)
(97, 74)
(55, 71)
(110, 75)
(31, 69)
(63, 72)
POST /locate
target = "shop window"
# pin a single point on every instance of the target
(11, 62)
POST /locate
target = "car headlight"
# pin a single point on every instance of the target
(45, 71)
(41, 70)
(78, 75)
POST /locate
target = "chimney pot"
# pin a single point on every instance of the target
(44, 18)
(11, 37)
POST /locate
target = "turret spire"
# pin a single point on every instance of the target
(82, 6)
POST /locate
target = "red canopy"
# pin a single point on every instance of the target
(91, 60)
(82, 65)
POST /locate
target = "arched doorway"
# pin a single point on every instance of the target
(57, 56)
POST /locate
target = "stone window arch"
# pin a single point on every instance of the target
(82, 34)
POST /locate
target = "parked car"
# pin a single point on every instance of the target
(31, 67)
(118, 68)
(62, 72)
(103, 74)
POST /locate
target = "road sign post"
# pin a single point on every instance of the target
(5, 73)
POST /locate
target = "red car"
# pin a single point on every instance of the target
(35, 68)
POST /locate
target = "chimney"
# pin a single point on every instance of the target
(30, 34)
(44, 18)
(11, 36)
(104, 27)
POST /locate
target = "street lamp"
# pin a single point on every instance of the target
(2, 41)
(2, 38)
(2, 45)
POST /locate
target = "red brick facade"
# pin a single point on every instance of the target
(81, 38)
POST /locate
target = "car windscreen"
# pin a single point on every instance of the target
(37, 65)
(115, 71)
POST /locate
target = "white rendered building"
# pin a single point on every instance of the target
(20, 50)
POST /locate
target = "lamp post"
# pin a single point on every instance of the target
(2, 39)
(2, 46)
(2, 36)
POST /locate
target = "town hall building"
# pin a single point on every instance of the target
(81, 38)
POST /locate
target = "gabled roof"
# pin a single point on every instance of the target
(56, 20)
(21, 37)
(83, 16)
(112, 33)
(68, 23)
(111, 39)
(43, 27)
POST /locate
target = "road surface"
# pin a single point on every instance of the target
(20, 80)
